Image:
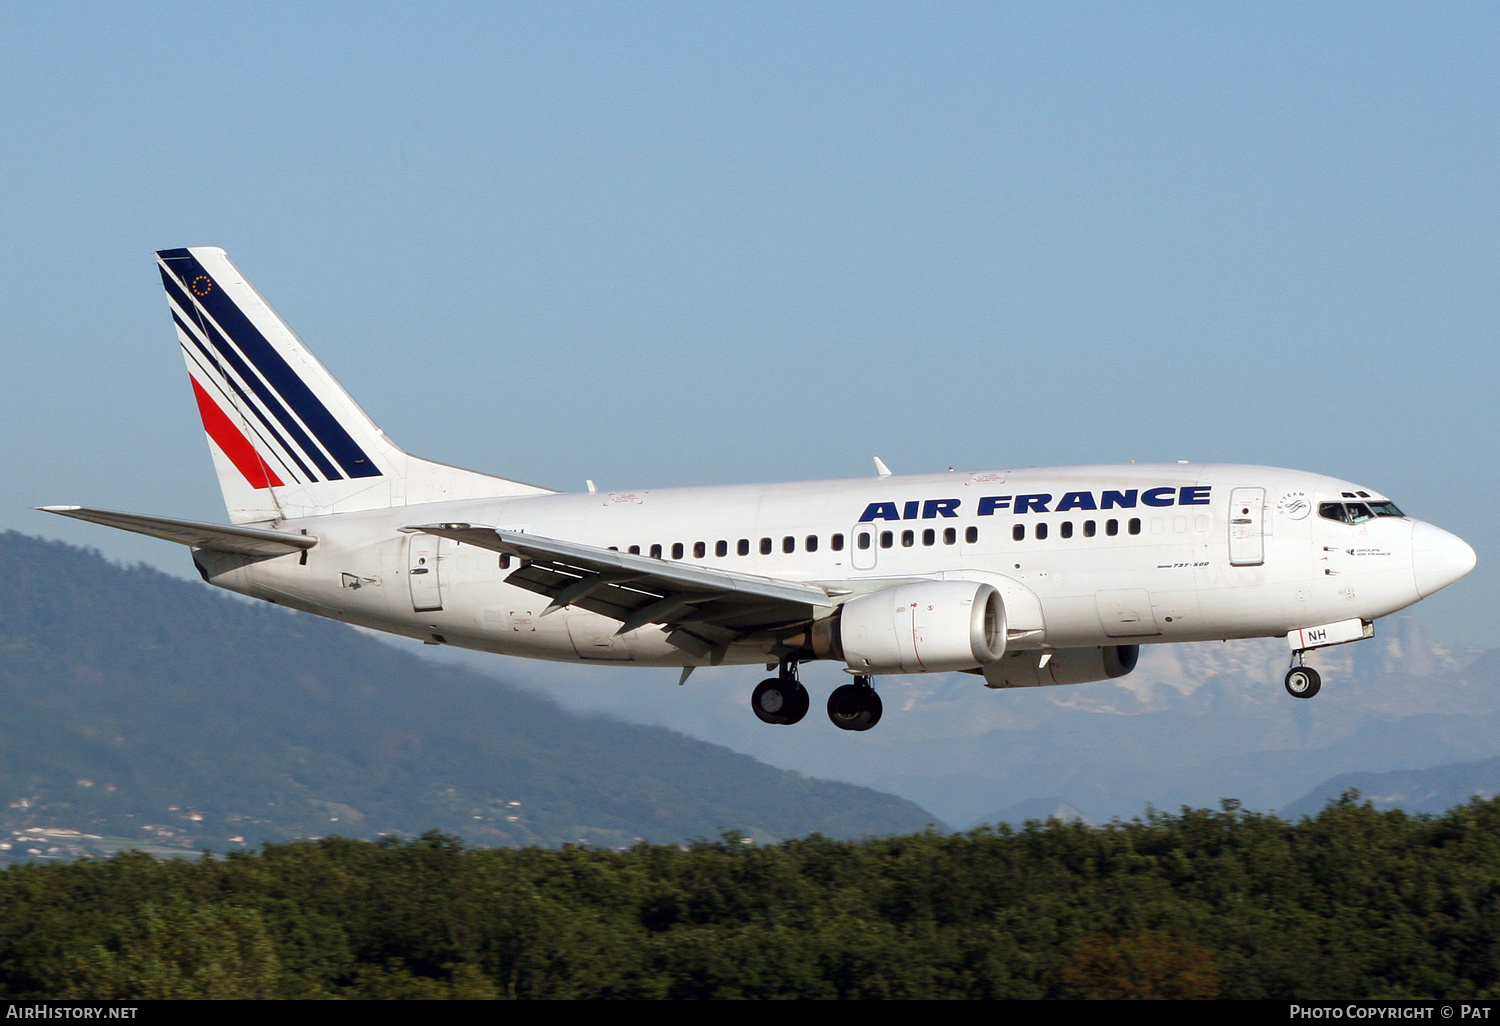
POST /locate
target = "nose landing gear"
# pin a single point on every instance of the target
(1302, 682)
(855, 706)
(782, 699)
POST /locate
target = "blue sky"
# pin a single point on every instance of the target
(661, 244)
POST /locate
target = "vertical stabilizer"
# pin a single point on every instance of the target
(286, 439)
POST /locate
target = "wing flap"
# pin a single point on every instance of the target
(249, 541)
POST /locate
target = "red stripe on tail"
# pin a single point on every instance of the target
(232, 441)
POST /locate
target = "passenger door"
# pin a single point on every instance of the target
(1247, 546)
(424, 553)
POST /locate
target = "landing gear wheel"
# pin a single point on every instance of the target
(798, 706)
(1302, 682)
(855, 706)
(780, 701)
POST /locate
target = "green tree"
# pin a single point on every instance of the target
(178, 951)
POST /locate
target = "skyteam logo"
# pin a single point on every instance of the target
(1040, 502)
(1294, 505)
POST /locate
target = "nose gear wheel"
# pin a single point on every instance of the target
(1302, 682)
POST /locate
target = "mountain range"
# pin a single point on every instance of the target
(142, 709)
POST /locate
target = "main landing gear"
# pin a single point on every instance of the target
(855, 706)
(781, 699)
(1302, 681)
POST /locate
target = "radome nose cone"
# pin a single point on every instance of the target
(1438, 558)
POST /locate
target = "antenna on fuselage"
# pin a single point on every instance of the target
(881, 468)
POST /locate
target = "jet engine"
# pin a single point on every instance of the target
(918, 628)
(1062, 666)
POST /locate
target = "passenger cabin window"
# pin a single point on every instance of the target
(1018, 532)
(700, 549)
(677, 550)
(765, 546)
(1041, 531)
(950, 536)
(811, 543)
(634, 550)
(789, 544)
(1088, 528)
(743, 548)
(504, 562)
(971, 535)
(836, 543)
(656, 552)
(1067, 529)
(721, 548)
(929, 537)
(1135, 525)
(908, 538)
(887, 539)
(1111, 527)
(863, 539)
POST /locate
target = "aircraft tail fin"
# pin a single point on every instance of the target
(286, 439)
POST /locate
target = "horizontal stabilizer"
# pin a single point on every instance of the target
(249, 541)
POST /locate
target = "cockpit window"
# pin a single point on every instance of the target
(1357, 512)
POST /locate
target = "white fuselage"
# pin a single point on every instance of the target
(1167, 553)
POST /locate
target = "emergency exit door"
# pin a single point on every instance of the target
(862, 546)
(1247, 511)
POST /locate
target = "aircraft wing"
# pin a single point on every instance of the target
(250, 541)
(708, 607)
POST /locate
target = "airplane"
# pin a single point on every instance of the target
(1024, 577)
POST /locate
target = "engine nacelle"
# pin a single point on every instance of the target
(1062, 666)
(918, 628)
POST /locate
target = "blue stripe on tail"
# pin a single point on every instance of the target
(260, 388)
(244, 400)
(192, 277)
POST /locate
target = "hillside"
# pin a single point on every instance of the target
(1433, 790)
(142, 708)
